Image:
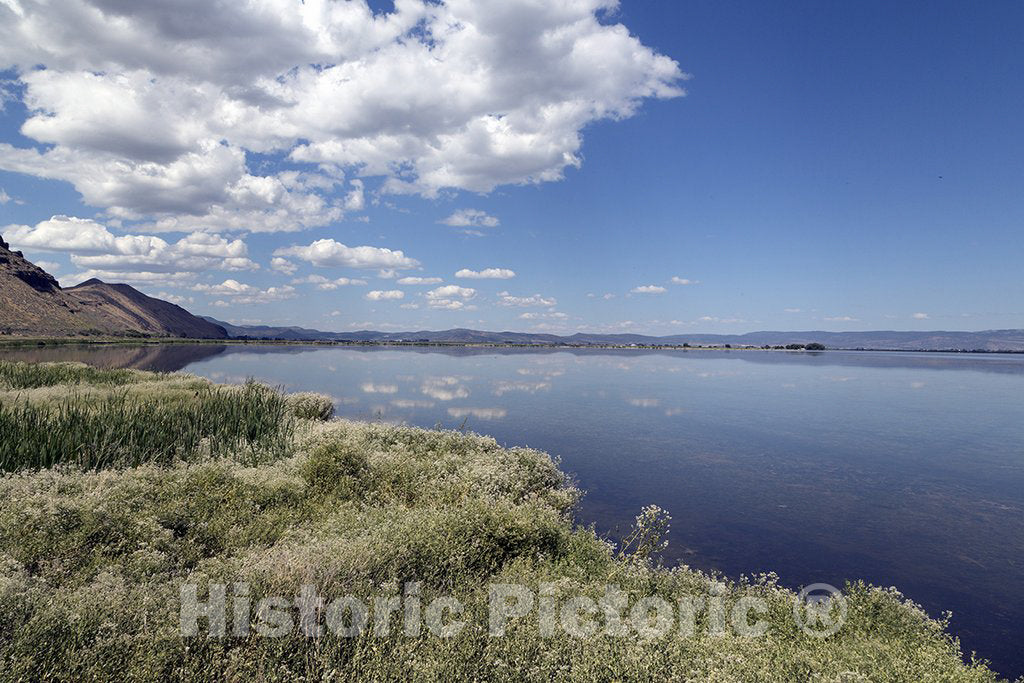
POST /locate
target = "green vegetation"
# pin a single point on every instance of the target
(94, 552)
(32, 376)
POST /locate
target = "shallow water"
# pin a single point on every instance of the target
(899, 468)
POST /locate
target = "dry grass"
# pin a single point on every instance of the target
(92, 563)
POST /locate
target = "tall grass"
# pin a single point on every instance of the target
(253, 423)
(92, 562)
(91, 566)
(34, 375)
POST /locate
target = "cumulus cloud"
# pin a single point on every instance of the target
(4, 197)
(550, 315)
(676, 280)
(648, 289)
(241, 293)
(175, 298)
(138, 278)
(151, 109)
(326, 284)
(388, 295)
(94, 247)
(506, 299)
(50, 267)
(451, 291)
(281, 265)
(419, 281)
(468, 218)
(450, 297)
(486, 274)
(840, 319)
(327, 253)
(920, 316)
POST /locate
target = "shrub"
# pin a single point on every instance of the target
(311, 406)
(92, 562)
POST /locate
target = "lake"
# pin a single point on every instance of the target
(902, 469)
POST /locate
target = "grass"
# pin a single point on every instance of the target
(121, 430)
(93, 557)
(32, 376)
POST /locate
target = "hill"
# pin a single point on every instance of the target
(32, 302)
(989, 340)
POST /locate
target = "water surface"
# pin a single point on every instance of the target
(902, 469)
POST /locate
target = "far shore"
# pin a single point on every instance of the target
(19, 341)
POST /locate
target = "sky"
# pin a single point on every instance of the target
(651, 166)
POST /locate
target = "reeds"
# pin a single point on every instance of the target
(252, 423)
(34, 375)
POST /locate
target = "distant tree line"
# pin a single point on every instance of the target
(813, 346)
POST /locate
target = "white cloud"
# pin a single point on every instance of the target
(551, 315)
(326, 284)
(389, 295)
(327, 253)
(241, 293)
(676, 280)
(506, 299)
(648, 289)
(93, 246)
(715, 319)
(132, 277)
(4, 197)
(450, 297)
(420, 281)
(486, 274)
(451, 291)
(467, 218)
(841, 319)
(920, 316)
(355, 200)
(175, 299)
(50, 267)
(280, 265)
(794, 310)
(149, 108)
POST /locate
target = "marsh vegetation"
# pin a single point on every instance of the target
(123, 486)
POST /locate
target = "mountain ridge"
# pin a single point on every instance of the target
(32, 302)
(985, 340)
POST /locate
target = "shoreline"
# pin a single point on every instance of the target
(12, 341)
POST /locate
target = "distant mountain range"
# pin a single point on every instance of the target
(32, 302)
(990, 340)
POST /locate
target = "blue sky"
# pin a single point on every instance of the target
(831, 165)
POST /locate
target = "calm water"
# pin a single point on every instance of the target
(902, 469)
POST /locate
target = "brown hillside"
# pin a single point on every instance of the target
(32, 302)
(128, 308)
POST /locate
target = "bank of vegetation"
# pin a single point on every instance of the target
(120, 487)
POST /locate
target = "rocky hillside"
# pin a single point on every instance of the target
(32, 302)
